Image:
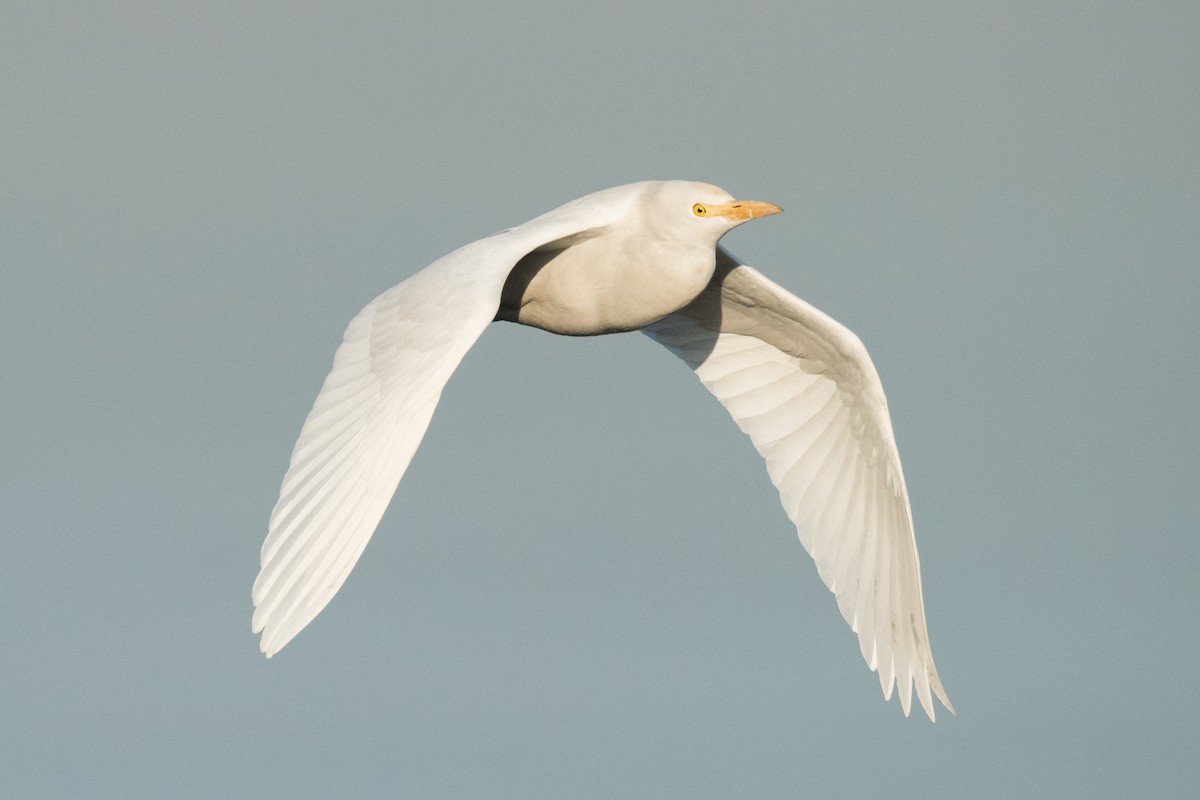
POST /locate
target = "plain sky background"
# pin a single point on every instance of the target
(586, 587)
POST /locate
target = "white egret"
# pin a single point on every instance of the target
(642, 256)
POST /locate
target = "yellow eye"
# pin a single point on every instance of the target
(699, 210)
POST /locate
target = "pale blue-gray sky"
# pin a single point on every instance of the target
(586, 586)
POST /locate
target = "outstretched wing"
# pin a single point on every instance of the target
(374, 407)
(804, 389)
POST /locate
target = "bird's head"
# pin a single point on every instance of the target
(703, 211)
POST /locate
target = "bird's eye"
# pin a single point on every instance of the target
(699, 210)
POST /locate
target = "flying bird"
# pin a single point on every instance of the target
(644, 256)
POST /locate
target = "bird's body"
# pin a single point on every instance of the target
(618, 277)
(642, 256)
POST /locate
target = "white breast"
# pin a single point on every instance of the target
(606, 284)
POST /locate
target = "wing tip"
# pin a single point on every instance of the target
(926, 699)
(941, 695)
(269, 643)
(903, 684)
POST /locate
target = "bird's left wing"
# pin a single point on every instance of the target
(372, 411)
(805, 391)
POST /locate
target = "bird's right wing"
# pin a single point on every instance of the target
(804, 389)
(372, 411)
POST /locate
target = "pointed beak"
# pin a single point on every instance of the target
(744, 210)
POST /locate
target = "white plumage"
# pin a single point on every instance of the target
(799, 384)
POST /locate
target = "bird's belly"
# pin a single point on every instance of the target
(579, 292)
